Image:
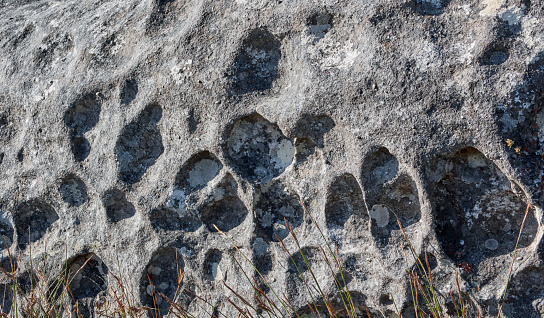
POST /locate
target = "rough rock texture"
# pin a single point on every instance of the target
(129, 128)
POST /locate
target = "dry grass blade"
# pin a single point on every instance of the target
(282, 303)
(454, 304)
(175, 306)
(214, 309)
(426, 287)
(513, 260)
(352, 312)
(298, 269)
(239, 296)
(338, 285)
(243, 312)
(459, 293)
(52, 296)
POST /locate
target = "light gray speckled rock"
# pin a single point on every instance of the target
(129, 128)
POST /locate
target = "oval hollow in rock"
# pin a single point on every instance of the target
(88, 277)
(129, 90)
(139, 145)
(255, 68)
(275, 205)
(161, 275)
(344, 202)
(117, 206)
(167, 219)
(73, 190)
(495, 55)
(198, 171)
(396, 202)
(36, 215)
(81, 148)
(83, 115)
(258, 150)
(212, 270)
(226, 214)
(80, 118)
(379, 168)
(478, 210)
(392, 197)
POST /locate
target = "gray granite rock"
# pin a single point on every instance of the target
(129, 128)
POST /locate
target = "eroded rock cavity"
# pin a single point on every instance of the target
(33, 219)
(139, 145)
(73, 190)
(258, 149)
(256, 66)
(117, 206)
(478, 210)
(392, 197)
(88, 277)
(80, 118)
(347, 218)
(162, 274)
(133, 129)
(194, 175)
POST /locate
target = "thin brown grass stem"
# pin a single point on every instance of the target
(239, 297)
(320, 291)
(503, 298)
(339, 287)
(254, 267)
(454, 305)
(240, 310)
(395, 305)
(334, 255)
(412, 291)
(207, 303)
(462, 305)
(298, 270)
(255, 286)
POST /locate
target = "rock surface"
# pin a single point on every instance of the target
(129, 128)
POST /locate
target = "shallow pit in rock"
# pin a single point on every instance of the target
(257, 149)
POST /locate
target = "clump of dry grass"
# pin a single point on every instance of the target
(318, 302)
(43, 296)
(423, 292)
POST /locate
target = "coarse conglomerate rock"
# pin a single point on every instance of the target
(128, 129)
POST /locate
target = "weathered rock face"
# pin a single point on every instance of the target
(129, 128)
